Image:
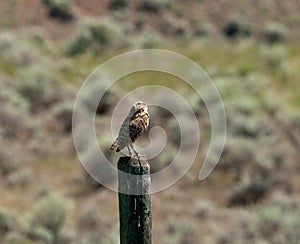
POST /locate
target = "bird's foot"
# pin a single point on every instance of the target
(129, 152)
(137, 156)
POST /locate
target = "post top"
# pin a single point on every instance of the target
(134, 161)
(134, 157)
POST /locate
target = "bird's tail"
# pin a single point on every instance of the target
(115, 145)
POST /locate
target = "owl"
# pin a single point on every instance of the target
(135, 124)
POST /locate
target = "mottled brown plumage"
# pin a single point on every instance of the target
(135, 124)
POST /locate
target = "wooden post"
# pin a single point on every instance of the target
(134, 200)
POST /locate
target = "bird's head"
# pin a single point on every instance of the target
(139, 106)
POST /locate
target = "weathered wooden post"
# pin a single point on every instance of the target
(134, 207)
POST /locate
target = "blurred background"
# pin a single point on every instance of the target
(251, 51)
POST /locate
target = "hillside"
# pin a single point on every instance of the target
(250, 49)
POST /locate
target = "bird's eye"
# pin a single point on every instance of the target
(142, 110)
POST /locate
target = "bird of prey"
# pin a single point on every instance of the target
(135, 124)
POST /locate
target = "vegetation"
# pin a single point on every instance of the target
(96, 35)
(61, 9)
(251, 53)
(154, 6)
(237, 26)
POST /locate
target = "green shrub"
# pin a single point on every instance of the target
(174, 131)
(291, 124)
(237, 27)
(253, 82)
(40, 234)
(274, 57)
(16, 238)
(117, 4)
(243, 229)
(203, 208)
(106, 103)
(50, 212)
(33, 89)
(60, 9)
(274, 33)
(112, 236)
(103, 173)
(174, 26)
(278, 220)
(67, 236)
(164, 159)
(249, 192)
(40, 87)
(179, 231)
(161, 113)
(12, 119)
(16, 50)
(203, 29)
(100, 235)
(105, 141)
(20, 178)
(274, 221)
(237, 154)
(4, 222)
(14, 111)
(196, 104)
(200, 109)
(149, 39)
(245, 118)
(13, 98)
(96, 35)
(37, 37)
(93, 237)
(8, 162)
(153, 6)
(269, 162)
(251, 126)
(42, 191)
(175, 8)
(63, 113)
